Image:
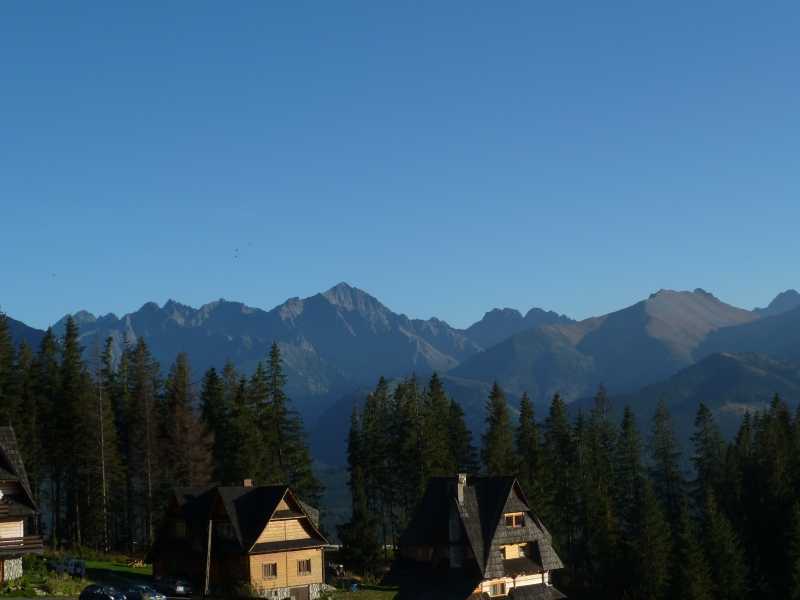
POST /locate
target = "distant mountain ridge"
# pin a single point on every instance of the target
(331, 342)
(783, 302)
(337, 343)
(624, 350)
(501, 323)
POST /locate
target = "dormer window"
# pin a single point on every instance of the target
(515, 520)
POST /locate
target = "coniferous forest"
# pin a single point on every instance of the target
(627, 517)
(632, 513)
(106, 440)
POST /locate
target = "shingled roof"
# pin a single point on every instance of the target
(485, 501)
(249, 509)
(12, 467)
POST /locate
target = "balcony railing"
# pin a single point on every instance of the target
(29, 544)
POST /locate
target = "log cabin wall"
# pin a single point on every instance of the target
(288, 574)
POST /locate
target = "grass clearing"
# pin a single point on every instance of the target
(367, 592)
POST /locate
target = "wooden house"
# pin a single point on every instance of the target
(477, 537)
(263, 538)
(17, 509)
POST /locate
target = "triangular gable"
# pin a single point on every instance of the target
(11, 460)
(532, 532)
(291, 502)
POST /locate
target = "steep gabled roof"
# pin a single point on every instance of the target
(12, 467)
(249, 509)
(485, 501)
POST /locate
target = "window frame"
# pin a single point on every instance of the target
(303, 562)
(501, 587)
(514, 520)
(266, 567)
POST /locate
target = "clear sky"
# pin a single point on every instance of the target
(447, 157)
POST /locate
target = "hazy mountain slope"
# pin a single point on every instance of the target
(332, 342)
(783, 302)
(729, 384)
(777, 336)
(499, 324)
(20, 332)
(623, 350)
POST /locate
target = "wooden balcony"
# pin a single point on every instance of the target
(29, 544)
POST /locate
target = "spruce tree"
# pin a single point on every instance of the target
(45, 389)
(629, 472)
(408, 457)
(215, 414)
(73, 431)
(243, 452)
(596, 443)
(498, 441)
(360, 547)
(438, 457)
(708, 458)
(8, 400)
(793, 554)
(285, 435)
(460, 441)
(26, 419)
(142, 417)
(665, 470)
(378, 435)
(724, 552)
(649, 554)
(691, 573)
(186, 443)
(561, 457)
(529, 453)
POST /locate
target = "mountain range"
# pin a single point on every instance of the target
(336, 344)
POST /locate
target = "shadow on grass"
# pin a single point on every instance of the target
(117, 575)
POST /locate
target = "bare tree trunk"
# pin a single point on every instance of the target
(149, 472)
(103, 463)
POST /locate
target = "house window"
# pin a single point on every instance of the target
(304, 567)
(515, 520)
(498, 589)
(269, 570)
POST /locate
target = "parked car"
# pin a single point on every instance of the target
(76, 567)
(173, 586)
(69, 566)
(101, 592)
(143, 592)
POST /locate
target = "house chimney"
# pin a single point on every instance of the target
(462, 482)
(247, 483)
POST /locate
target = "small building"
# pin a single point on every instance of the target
(257, 539)
(17, 509)
(476, 537)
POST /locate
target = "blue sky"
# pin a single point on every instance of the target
(447, 157)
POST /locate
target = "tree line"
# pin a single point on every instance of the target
(106, 440)
(626, 517)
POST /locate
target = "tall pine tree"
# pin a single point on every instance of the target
(498, 440)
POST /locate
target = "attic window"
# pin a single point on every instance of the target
(498, 589)
(515, 520)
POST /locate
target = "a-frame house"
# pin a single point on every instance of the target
(225, 537)
(477, 537)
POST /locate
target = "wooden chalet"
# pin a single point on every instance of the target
(17, 509)
(225, 537)
(476, 538)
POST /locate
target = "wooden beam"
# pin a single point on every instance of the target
(208, 560)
